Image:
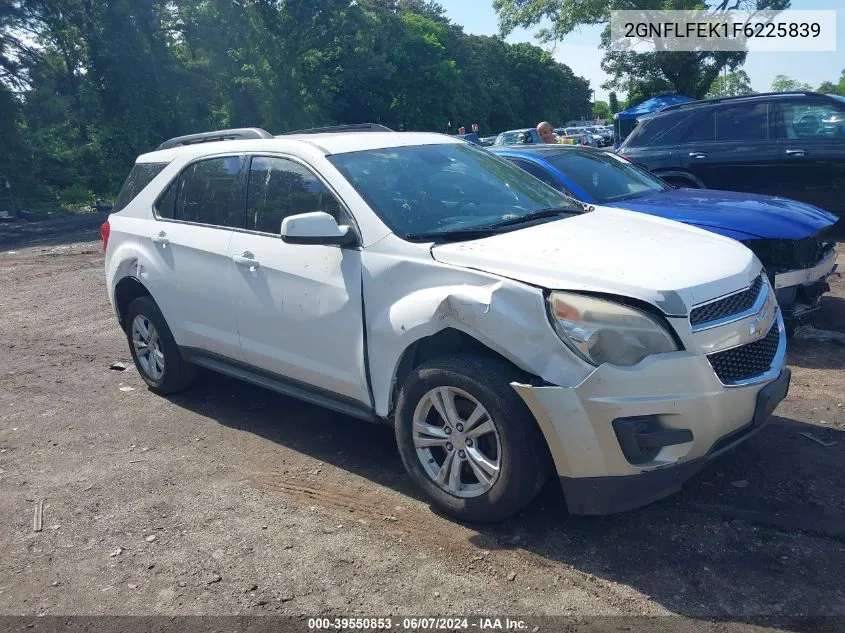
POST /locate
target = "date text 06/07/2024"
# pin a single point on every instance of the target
(417, 624)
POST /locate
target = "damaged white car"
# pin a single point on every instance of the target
(506, 333)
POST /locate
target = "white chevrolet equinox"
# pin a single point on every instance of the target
(505, 331)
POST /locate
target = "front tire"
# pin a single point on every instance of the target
(154, 350)
(467, 438)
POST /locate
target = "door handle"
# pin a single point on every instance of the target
(247, 259)
(697, 155)
(160, 239)
(796, 152)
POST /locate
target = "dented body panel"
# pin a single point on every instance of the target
(409, 296)
(341, 320)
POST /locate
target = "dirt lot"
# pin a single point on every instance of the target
(232, 500)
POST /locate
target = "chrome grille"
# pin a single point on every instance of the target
(747, 361)
(723, 308)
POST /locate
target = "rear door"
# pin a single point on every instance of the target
(739, 154)
(811, 151)
(196, 215)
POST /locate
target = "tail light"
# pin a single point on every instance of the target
(105, 229)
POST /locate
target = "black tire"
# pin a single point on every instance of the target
(524, 459)
(178, 374)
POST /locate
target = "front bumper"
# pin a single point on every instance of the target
(677, 391)
(608, 495)
(799, 292)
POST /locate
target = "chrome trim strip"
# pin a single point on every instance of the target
(739, 316)
(774, 369)
(817, 273)
(739, 333)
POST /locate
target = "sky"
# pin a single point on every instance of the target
(580, 52)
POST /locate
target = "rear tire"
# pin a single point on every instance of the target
(154, 350)
(499, 459)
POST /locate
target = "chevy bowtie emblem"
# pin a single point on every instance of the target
(756, 326)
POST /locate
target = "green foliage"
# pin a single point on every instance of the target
(641, 75)
(614, 103)
(601, 110)
(733, 85)
(94, 83)
(782, 83)
(828, 87)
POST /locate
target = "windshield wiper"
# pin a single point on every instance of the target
(459, 234)
(534, 215)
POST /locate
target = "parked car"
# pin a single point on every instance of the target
(472, 137)
(789, 237)
(417, 280)
(487, 141)
(524, 136)
(782, 144)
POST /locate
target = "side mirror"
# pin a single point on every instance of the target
(316, 228)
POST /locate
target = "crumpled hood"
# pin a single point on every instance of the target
(668, 264)
(735, 215)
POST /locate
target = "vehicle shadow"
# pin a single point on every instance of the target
(760, 532)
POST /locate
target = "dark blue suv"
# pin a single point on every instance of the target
(780, 144)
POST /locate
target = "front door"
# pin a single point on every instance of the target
(811, 152)
(298, 307)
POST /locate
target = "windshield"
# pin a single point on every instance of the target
(437, 189)
(605, 176)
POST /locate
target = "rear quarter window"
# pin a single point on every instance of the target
(677, 128)
(139, 177)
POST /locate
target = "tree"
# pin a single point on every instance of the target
(87, 85)
(601, 110)
(688, 73)
(735, 84)
(782, 83)
(828, 87)
(614, 103)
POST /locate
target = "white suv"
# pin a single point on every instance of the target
(506, 332)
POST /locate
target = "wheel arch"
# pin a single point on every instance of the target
(679, 174)
(447, 341)
(126, 290)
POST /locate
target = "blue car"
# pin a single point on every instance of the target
(790, 238)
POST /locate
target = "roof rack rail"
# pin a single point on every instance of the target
(352, 127)
(748, 97)
(218, 135)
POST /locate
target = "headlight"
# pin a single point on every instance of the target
(601, 331)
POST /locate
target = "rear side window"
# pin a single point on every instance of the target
(539, 173)
(684, 126)
(211, 192)
(139, 177)
(278, 188)
(749, 122)
(799, 120)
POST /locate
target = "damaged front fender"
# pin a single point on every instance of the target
(409, 298)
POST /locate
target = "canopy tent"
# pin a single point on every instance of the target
(625, 121)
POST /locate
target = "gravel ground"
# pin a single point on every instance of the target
(231, 500)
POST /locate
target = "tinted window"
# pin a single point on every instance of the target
(537, 171)
(748, 122)
(445, 187)
(700, 128)
(605, 176)
(811, 120)
(139, 177)
(279, 187)
(683, 126)
(212, 192)
(166, 205)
